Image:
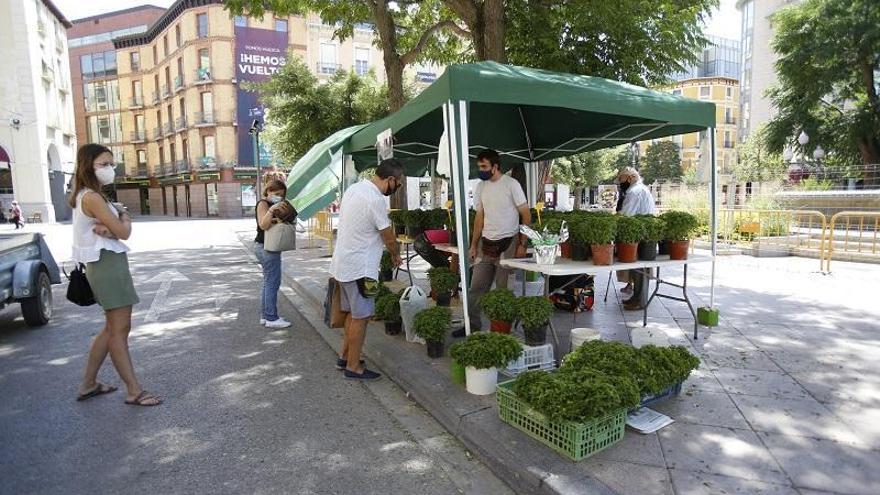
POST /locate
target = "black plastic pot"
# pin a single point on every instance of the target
(580, 251)
(648, 251)
(444, 299)
(393, 327)
(535, 336)
(664, 247)
(386, 275)
(413, 232)
(435, 348)
(399, 229)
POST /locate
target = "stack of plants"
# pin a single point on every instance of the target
(443, 282)
(500, 307)
(432, 324)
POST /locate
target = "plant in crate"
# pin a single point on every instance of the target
(599, 232)
(443, 282)
(481, 355)
(655, 230)
(534, 314)
(432, 324)
(386, 268)
(680, 228)
(388, 310)
(500, 307)
(630, 232)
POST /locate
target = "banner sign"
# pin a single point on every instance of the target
(259, 53)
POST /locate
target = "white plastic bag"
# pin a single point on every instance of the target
(412, 301)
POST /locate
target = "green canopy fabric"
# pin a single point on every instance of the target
(314, 179)
(529, 115)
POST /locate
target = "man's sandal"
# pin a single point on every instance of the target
(100, 389)
(145, 399)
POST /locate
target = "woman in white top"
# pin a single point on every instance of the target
(98, 230)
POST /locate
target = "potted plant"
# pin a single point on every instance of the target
(415, 222)
(443, 282)
(456, 370)
(598, 232)
(500, 307)
(386, 269)
(481, 355)
(388, 310)
(432, 324)
(577, 234)
(680, 227)
(655, 230)
(398, 218)
(630, 231)
(534, 313)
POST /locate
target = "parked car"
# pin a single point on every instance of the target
(27, 272)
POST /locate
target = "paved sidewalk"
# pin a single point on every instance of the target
(787, 399)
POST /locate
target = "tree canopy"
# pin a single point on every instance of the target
(757, 163)
(662, 162)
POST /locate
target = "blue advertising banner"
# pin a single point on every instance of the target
(259, 53)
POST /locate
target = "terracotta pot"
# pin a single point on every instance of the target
(535, 336)
(678, 250)
(444, 300)
(499, 326)
(393, 327)
(603, 254)
(566, 249)
(663, 248)
(580, 251)
(628, 252)
(435, 348)
(648, 251)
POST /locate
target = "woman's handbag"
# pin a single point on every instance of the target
(281, 237)
(79, 291)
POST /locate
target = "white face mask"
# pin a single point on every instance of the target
(105, 175)
(274, 199)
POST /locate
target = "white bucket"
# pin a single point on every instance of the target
(581, 335)
(481, 381)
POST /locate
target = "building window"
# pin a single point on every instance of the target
(135, 61)
(728, 116)
(165, 45)
(139, 123)
(327, 64)
(155, 56)
(99, 64)
(361, 60)
(142, 158)
(729, 93)
(281, 25)
(240, 21)
(161, 155)
(177, 37)
(208, 147)
(183, 109)
(705, 91)
(173, 152)
(202, 25)
(728, 142)
(207, 104)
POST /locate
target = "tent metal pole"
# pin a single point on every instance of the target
(455, 120)
(713, 209)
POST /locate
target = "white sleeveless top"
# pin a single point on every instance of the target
(87, 245)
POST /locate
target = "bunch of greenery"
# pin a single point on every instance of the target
(680, 225)
(416, 218)
(629, 230)
(383, 290)
(575, 395)
(655, 228)
(484, 350)
(595, 229)
(435, 219)
(534, 312)
(398, 217)
(499, 304)
(663, 367)
(432, 324)
(385, 263)
(443, 280)
(388, 307)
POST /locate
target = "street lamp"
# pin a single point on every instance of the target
(255, 130)
(803, 138)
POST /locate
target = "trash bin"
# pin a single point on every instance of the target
(412, 301)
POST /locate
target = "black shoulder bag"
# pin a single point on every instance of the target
(79, 291)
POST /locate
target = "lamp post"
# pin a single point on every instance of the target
(798, 162)
(255, 130)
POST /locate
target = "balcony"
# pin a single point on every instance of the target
(204, 75)
(180, 124)
(157, 132)
(165, 92)
(205, 119)
(328, 68)
(178, 83)
(730, 120)
(156, 99)
(136, 101)
(138, 136)
(728, 144)
(167, 129)
(181, 166)
(48, 73)
(207, 163)
(142, 170)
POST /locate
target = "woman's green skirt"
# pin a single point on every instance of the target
(111, 281)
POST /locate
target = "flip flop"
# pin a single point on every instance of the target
(142, 397)
(98, 390)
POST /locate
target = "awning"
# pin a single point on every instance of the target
(314, 179)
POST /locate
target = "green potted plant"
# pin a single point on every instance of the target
(388, 310)
(680, 228)
(598, 232)
(577, 232)
(398, 218)
(500, 307)
(630, 232)
(456, 370)
(432, 324)
(534, 314)
(435, 219)
(443, 282)
(482, 354)
(386, 269)
(655, 230)
(415, 222)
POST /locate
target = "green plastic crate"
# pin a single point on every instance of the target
(574, 440)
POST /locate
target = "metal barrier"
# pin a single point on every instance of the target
(321, 226)
(850, 216)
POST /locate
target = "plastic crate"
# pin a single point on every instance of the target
(574, 440)
(532, 358)
(671, 391)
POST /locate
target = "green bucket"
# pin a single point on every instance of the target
(457, 372)
(707, 317)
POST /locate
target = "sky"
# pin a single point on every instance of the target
(725, 21)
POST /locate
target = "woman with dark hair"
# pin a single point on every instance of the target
(99, 227)
(268, 211)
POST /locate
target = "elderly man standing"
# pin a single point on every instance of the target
(363, 230)
(638, 201)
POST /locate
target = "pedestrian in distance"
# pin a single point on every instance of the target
(364, 228)
(15, 212)
(268, 210)
(638, 201)
(99, 227)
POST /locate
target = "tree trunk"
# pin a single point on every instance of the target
(869, 149)
(492, 17)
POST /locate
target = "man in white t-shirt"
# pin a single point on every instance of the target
(637, 201)
(363, 230)
(501, 207)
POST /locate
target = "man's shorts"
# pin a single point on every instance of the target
(351, 301)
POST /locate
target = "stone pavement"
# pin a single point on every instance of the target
(786, 401)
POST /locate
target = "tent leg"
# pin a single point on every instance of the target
(713, 209)
(455, 121)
